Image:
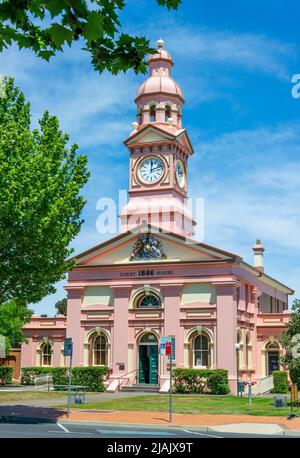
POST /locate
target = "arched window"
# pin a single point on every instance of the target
(46, 354)
(100, 351)
(200, 351)
(140, 115)
(152, 113)
(168, 112)
(148, 338)
(150, 301)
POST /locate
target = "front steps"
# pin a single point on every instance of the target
(141, 388)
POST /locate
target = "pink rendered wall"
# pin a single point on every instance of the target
(57, 346)
(74, 328)
(226, 331)
(27, 352)
(120, 338)
(172, 295)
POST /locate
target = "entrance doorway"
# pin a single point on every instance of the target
(273, 358)
(148, 359)
(273, 361)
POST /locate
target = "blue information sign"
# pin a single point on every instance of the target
(68, 347)
(162, 346)
(173, 348)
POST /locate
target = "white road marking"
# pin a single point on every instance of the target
(202, 434)
(63, 428)
(134, 432)
(70, 432)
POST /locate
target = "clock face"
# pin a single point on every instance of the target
(180, 175)
(151, 169)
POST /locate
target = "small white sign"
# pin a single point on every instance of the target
(2, 346)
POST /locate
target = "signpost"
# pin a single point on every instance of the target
(68, 351)
(167, 348)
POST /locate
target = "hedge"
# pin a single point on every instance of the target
(201, 381)
(281, 384)
(92, 377)
(6, 375)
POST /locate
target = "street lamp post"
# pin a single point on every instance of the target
(237, 349)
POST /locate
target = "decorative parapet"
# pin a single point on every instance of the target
(273, 319)
(40, 322)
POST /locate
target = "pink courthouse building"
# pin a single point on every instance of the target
(155, 280)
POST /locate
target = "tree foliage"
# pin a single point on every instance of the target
(45, 26)
(40, 206)
(61, 306)
(289, 338)
(12, 319)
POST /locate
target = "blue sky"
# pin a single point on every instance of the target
(234, 61)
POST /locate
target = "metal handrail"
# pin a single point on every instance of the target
(124, 375)
(135, 370)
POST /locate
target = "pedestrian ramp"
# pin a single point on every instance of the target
(249, 428)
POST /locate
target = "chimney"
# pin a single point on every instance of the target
(258, 251)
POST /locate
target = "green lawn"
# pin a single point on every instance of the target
(27, 396)
(194, 404)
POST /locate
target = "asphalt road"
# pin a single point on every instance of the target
(83, 430)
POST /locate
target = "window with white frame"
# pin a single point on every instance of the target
(201, 351)
(100, 350)
(46, 354)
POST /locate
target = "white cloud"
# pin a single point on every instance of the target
(251, 188)
(94, 109)
(247, 50)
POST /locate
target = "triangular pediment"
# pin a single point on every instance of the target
(150, 134)
(183, 138)
(139, 247)
(155, 134)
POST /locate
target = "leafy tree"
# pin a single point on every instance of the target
(12, 319)
(44, 26)
(61, 306)
(290, 340)
(40, 206)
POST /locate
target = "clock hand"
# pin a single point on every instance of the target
(151, 166)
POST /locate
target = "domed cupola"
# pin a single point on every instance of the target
(160, 99)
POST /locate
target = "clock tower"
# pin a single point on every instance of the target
(159, 150)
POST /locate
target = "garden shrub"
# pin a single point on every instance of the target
(217, 383)
(295, 375)
(214, 381)
(281, 384)
(6, 375)
(92, 377)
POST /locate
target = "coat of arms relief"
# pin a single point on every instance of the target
(147, 247)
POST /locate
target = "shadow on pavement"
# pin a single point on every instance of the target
(29, 415)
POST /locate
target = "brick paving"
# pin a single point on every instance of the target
(161, 418)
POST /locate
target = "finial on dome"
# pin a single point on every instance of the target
(160, 43)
